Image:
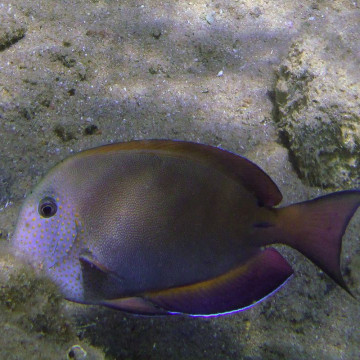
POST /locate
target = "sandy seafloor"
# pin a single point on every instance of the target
(77, 74)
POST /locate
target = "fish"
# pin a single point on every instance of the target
(164, 227)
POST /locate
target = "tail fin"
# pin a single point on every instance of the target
(315, 228)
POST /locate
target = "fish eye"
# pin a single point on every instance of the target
(47, 207)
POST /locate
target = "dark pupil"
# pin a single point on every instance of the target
(47, 207)
(47, 210)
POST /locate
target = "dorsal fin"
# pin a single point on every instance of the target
(247, 173)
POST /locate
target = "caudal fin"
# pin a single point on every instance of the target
(316, 227)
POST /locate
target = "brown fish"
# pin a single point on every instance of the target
(168, 227)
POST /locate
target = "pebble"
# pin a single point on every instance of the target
(76, 352)
(210, 18)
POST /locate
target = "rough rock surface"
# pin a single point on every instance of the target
(34, 324)
(12, 29)
(318, 104)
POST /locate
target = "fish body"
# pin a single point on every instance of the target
(167, 227)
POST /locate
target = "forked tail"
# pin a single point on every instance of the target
(316, 227)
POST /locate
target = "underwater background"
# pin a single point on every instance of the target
(275, 81)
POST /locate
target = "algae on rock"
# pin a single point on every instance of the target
(34, 322)
(318, 112)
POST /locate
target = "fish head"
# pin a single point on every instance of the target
(49, 236)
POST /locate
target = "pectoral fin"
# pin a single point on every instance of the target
(236, 290)
(99, 282)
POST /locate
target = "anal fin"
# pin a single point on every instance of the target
(236, 290)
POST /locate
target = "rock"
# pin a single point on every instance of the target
(318, 112)
(35, 324)
(12, 29)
